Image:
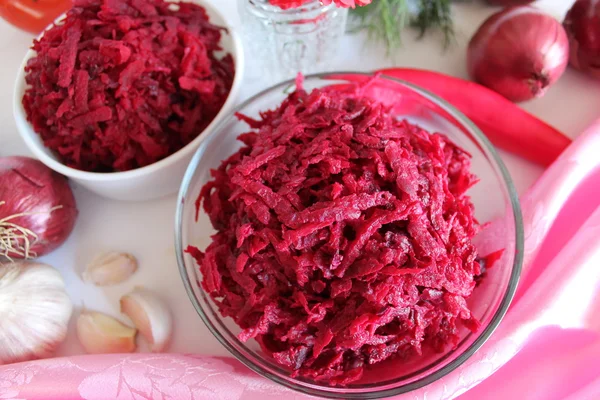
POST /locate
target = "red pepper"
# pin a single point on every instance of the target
(505, 124)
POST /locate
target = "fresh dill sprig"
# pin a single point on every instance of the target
(386, 19)
(435, 14)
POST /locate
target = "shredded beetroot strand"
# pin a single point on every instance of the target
(121, 84)
(493, 258)
(343, 236)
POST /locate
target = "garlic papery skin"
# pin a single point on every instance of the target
(150, 315)
(110, 268)
(34, 311)
(99, 333)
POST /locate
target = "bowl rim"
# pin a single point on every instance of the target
(372, 393)
(29, 135)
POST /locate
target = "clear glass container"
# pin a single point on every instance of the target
(494, 198)
(280, 43)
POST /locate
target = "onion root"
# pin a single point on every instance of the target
(15, 239)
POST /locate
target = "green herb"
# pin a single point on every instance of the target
(385, 20)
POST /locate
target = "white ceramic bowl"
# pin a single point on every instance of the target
(156, 180)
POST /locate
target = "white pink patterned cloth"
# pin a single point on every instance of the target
(546, 348)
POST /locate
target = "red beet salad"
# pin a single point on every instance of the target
(343, 236)
(121, 84)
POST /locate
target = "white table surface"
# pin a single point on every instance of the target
(146, 229)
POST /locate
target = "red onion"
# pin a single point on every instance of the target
(507, 3)
(37, 208)
(518, 52)
(582, 24)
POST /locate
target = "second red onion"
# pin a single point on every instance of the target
(582, 24)
(518, 52)
(37, 208)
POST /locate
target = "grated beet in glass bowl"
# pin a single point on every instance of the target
(331, 275)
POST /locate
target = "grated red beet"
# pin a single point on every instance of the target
(121, 84)
(344, 236)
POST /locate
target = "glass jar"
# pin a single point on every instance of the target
(280, 43)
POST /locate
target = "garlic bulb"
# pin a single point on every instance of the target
(110, 268)
(150, 315)
(99, 333)
(34, 311)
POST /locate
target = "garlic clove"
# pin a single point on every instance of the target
(99, 333)
(150, 315)
(34, 311)
(110, 268)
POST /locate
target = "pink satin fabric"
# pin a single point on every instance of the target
(546, 348)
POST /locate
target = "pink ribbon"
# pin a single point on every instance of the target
(547, 347)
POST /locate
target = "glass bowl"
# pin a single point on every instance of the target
(494, 198)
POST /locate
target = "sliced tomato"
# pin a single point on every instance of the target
(32, 15)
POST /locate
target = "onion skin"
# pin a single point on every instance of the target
(518, 52)
(28, 186)
(510, 3)
(582, 24)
